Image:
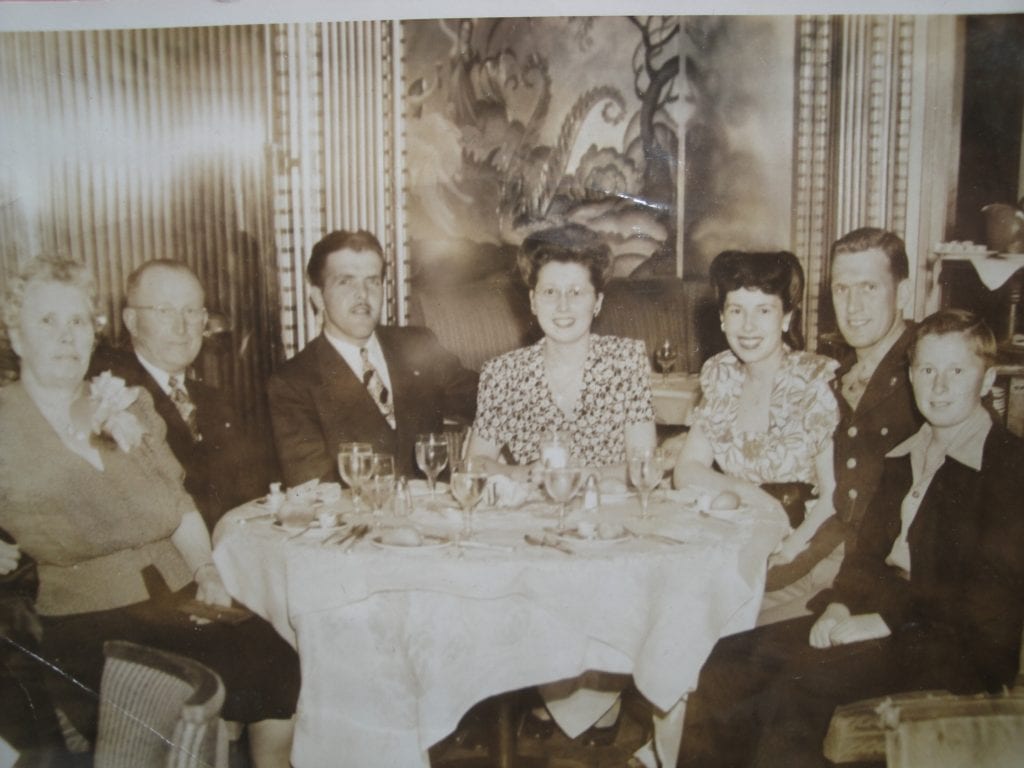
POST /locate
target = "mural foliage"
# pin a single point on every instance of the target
(516, 124)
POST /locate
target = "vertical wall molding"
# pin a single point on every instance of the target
(336, 138)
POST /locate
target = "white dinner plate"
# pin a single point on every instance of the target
(427, 541)
(573, 536)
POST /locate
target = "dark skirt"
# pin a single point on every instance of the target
(259, 669)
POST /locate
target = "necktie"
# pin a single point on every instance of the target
(375, 386)
(185, 406)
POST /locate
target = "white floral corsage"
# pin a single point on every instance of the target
(110, 400)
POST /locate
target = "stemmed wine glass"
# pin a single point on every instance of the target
(646, 468)
(468, 482)
(432, 457)
(666, 356)
(355, 465)
(562, 484)
(381, 486)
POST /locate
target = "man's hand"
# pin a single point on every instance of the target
(9, 556)
(864, 626)
(821, 632)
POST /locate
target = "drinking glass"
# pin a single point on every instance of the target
(378, 491)
(381, 485)
(355, 465)
(646, 469)
(554, 448)
(666, 356)
(468, 482)
(432, 457)
(562, 484)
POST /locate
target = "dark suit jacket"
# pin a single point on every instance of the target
(228, 466)
(317, 402)
(967, 557)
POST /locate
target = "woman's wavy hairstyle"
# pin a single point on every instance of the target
(48, 269)
(566, 244)
(774, 273)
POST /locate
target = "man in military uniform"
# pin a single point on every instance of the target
(870, 288)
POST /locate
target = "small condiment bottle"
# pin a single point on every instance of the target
(275, 499)
(402, 503)
(592, 494)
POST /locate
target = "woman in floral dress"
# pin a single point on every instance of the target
(768, 412)
(595, 388)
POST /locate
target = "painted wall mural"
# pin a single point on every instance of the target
(515, 124)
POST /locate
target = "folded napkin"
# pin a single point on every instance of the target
(507, 492)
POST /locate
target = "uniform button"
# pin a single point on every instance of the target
(851, 463)
(885, 431)
(852, 493)
(852, 431)
(916, 494)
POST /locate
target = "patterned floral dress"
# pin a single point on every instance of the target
(803, 414)
(515, 403)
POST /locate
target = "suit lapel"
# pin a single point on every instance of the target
(401, 374)
(342, 395)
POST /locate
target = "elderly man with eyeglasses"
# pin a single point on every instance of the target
(166, 316)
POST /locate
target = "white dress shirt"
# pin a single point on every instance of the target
(351, 353)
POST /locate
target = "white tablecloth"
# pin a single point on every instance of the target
(396, 645)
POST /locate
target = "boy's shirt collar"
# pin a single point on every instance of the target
(967, 446)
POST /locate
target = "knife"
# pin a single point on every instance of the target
(547, 541)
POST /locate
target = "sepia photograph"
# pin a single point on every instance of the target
(454, 384)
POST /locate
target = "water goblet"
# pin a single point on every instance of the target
(562, 484)
(554, 448)
(381, 485)
(431, 458)
(666, 356)
(355, 465)
(378, 491)
(468, 482)
(646, 469)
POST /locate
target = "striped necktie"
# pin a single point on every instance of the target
(375, 386)
(183, 402)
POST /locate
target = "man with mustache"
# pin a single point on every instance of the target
(359, 381)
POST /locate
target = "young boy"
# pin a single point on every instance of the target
(930, 598)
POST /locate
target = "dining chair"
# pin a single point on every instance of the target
(921, 728)
(158, 709)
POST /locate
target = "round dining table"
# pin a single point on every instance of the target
(404, 623)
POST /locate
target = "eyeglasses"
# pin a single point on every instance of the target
(167, 314)
(551, 295)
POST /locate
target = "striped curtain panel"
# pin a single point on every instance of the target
(121, 146)
(336, 129)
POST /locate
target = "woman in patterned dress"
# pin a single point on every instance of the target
(595, 388)
(768, 412)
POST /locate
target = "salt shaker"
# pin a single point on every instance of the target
(402, 503)
(275, 499)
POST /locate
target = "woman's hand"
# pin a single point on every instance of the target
(9, 556)
(788, 549)
(211, 589)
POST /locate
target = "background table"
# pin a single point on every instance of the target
(397, 644)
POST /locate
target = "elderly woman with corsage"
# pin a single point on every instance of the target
(91, 491)
(763, 430)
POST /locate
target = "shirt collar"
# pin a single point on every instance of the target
(352, 353)
(162, 377)
(967, 446)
